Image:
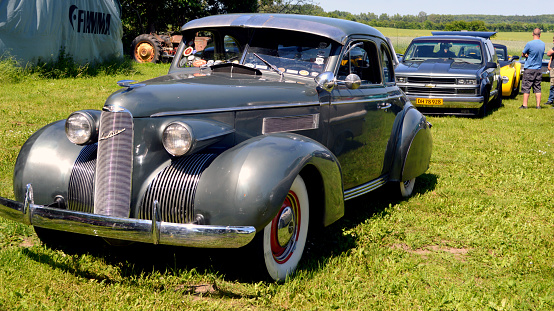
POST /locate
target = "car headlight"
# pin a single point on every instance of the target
(467, 81)
(505, 79)
(177, 139)
(80, 128)
(401, 79)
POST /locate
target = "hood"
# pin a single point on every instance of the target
(439, 67)
(185, 91)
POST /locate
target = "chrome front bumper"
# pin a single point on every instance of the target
(129, 229)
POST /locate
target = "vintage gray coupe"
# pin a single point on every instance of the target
(255, 137)
(451, 72)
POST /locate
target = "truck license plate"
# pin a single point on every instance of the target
(429, 101)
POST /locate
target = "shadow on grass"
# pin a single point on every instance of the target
(140, 259)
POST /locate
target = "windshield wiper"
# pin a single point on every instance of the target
(462, 61)
(270, 65)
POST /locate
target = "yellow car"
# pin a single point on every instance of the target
(510, 70)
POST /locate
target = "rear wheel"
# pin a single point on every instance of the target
(284, 238)
(146, 49)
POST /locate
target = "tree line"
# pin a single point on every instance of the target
(147, 16)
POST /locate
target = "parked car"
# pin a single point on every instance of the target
(451, 72)
(510, 71)
(255, 148)
(544, 68)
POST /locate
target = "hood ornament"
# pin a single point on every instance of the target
(129, 84)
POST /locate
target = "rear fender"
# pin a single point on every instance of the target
(413, 148)
(248, 183)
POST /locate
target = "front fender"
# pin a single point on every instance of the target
(413, 148)
(248, 183)
(45, 161)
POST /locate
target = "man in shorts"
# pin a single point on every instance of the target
(532, 76)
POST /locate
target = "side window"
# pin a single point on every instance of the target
(207, 47)
(231, 48)
(361, 58)
(387, 64)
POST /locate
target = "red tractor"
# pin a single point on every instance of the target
(153, 48)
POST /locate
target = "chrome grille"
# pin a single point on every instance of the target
(174, 189)
(80, 195)
(114, 164)
(431, 80)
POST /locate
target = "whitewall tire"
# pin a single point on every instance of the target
(284, 238)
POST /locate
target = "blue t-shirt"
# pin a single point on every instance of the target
(535, 49)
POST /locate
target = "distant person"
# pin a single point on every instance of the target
(445, 52)
(551, 68)
(532, 76)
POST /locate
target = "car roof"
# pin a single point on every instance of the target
(450, 37)
(333, 28)
(481, 34)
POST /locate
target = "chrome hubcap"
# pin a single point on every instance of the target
(285, 227)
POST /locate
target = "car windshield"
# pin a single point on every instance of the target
(466, 51)
(500, 53)
(275, 50)
(290, 52)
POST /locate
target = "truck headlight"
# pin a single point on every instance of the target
(400, 79)
(177, 139)
(80, 128)
(467, 81)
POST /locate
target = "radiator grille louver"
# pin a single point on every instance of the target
(114, 164)
(174, 189)
(81, 182)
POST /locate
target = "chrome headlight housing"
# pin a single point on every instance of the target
(81, 128)
(401, 79)
(467, 81)
(177, 139)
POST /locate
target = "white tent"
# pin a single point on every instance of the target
(33, 30)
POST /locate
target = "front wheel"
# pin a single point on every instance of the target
(284, 238)
(407, 187)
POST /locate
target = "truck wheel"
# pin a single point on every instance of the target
(285, 236)
(146, 49)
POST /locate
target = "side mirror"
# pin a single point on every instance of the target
(515, 57)
(491, 65)
(352, 81)
(326, 81)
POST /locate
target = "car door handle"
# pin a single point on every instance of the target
(384, 105)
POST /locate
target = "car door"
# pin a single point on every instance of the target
(361, 119)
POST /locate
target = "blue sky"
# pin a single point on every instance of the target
(413, 7)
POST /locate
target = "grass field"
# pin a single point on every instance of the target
(477, 235)
(514, 41)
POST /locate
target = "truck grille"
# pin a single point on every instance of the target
(114, 164)
(431, 80)
(174, 188)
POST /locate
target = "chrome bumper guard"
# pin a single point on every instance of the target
(129, 229)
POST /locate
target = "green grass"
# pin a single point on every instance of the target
(477, 234)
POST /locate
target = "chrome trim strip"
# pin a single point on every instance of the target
(359, 101)
(130, 229)
(232, 109)
(365, 188)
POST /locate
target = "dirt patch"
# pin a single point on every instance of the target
(458, 253)
(27, 242)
